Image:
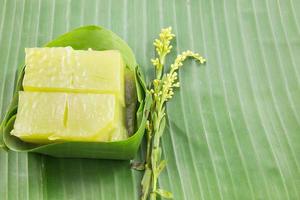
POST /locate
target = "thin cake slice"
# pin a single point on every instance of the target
(39, 116)
(67, 70)
(91, 117)
(99, 71)
(48, 69)
(45, 117)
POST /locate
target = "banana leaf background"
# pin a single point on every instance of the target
(233, 128)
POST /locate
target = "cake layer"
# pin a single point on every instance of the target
(63, 69)
(44, 117)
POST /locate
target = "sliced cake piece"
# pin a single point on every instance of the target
(91, 117)
(64, 69)
(48, 69)
(99, 72)
(39, 116)
(45, 117)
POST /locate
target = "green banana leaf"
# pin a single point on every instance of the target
(233, 127)
(97, 38)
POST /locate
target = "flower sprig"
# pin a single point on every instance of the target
(162, 90)
(162, 47)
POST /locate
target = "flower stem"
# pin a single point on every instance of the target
(162, 91)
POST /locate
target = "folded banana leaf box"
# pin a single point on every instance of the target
(232, 130)
(97, 38)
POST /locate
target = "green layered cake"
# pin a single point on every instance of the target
(71, 95)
